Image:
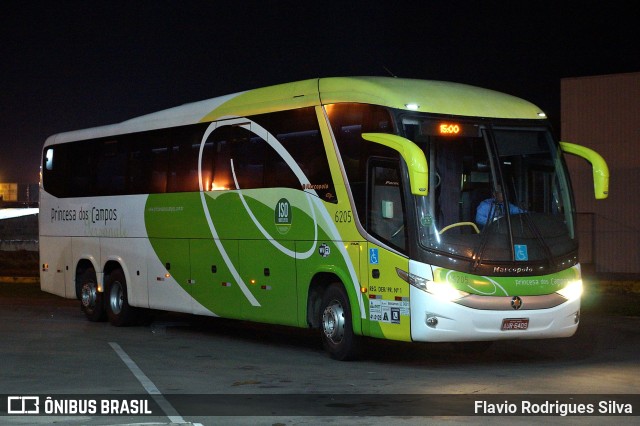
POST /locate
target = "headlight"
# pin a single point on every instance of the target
(571, 291)
(441, 290)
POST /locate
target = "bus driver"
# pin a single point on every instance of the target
(493, 208)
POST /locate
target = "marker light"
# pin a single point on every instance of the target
(571, 291)
(542, 114)
(412, 106)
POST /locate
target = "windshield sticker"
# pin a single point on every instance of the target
(521, 252)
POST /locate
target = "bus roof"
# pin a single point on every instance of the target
(428, 95)
(420, 95)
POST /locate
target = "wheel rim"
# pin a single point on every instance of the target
(333, 322)
(116, 297)
(89, 295)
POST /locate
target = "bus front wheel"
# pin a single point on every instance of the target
(119, 311)
(337, 333)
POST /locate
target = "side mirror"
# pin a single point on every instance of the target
(412, 155)
(598, 164)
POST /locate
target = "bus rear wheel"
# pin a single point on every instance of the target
(91, 300)
(119, 311)
(337, 333)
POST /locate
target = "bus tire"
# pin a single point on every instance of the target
(338, 338)
(119, 311)
(91, 300)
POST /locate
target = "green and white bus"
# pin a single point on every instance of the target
(349, 205)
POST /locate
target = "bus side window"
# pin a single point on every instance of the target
(232, 145)
(182, 162)
(386, 218)
(258, 163)
(222, 178)
(56, 169)
(297, 131)
(138, 171)
(348, 122)
(207, 164)
(159, 164)
(83, 179)
(111, 170)
(248, 155)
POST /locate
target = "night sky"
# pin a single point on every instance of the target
(68, 65)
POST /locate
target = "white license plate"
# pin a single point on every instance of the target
(515, 324)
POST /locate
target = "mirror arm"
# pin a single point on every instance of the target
(598, 164)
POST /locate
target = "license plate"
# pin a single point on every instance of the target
(515, 324)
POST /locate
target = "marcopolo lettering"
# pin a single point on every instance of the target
(512, 270)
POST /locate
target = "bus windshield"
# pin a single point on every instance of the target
(497, 193)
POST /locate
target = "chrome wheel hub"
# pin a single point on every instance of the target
(333, 322)
(88, 295)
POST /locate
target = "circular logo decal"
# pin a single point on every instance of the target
(324, 250)
(516, 303)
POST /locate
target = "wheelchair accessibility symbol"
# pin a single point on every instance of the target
(521, 252)
(373, 256)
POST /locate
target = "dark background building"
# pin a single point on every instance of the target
(603, 113)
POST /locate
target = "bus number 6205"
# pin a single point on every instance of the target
(343, 216)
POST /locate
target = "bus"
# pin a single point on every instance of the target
(379, 207)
